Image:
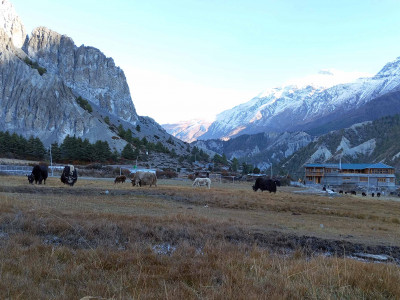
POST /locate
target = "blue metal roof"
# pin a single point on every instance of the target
(351, 166)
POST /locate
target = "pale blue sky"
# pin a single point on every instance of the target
(192, 59)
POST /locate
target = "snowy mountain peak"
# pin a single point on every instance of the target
(390, 69)
(279, 92)
(323, 79)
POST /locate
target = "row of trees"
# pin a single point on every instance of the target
(16, 146)
(78, 149)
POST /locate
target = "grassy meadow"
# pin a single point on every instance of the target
(114, 241)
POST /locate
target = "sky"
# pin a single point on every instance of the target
(192, 59)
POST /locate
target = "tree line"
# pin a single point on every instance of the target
(16, 146)
(82, 150)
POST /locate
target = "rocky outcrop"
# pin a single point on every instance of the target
(40, 84)
(42, 106)
(86, 70)
(11, 24)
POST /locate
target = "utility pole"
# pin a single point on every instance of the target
(271, 170)
(51, 162)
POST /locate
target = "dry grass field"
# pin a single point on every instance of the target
(174, 241)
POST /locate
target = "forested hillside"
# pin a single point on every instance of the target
(368, 142)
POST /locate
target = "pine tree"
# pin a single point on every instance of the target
(235, 164)
(55, 152)
(127, 152)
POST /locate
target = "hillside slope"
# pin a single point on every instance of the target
(367, 142)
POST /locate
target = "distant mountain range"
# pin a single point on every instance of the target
(187, 131)
(272, 126)
(310, 107)
(50, 88)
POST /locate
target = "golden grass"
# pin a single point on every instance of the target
(224, 243)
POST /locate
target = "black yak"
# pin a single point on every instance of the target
(39, 174)
(265, 184)
(69, 175)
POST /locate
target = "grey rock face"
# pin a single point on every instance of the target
(46, 107)
(11, 23)
(42, 106)
(86, 70)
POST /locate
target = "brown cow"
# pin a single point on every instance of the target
(120, 179)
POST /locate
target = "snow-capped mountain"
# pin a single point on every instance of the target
(296, 107)
(187, 131)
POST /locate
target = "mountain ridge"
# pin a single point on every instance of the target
(42, 77)
(303, 107)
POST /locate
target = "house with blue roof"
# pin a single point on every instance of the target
(377, 176)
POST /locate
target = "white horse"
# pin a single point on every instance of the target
(202, 182)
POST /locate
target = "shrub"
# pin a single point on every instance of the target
(84, 104)
(35, 65)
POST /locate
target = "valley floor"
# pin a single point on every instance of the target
(174, 241)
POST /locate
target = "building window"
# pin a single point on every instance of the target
(346, 178)
(381, 179)
(364, 179)
(391, 179)
(380, 171)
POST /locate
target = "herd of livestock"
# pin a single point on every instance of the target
(364, 194)
(140, 178)
(69, 176)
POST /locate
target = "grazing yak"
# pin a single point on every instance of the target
(120, 179)
(69, 175)
(144, 178)
(265, 184)
(202, 182)
(39, 174)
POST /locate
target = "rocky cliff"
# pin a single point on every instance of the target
(12, 24)
(86, 70)
(31, 104)
(43, 75)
